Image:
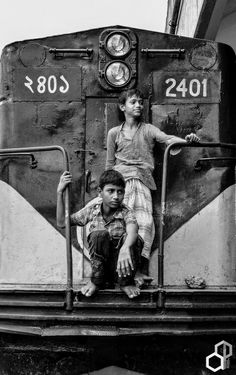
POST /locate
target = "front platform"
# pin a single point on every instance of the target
(39, 310)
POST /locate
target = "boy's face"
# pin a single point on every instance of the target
(112, 195)
(133, 107)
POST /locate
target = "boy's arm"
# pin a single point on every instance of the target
(65, 179)
(111, 146)
(162, 137)
(124, 263)
(81, 217)
(192, 137)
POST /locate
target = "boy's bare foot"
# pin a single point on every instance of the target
(141, 279)
(131, 291)
(89, 289)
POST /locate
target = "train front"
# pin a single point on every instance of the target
(63, 90)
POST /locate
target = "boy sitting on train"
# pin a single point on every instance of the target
(130, 151)
(114, 245)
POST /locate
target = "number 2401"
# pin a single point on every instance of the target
(194, 87)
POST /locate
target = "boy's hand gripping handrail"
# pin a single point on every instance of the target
(69, 287)
(164, 193)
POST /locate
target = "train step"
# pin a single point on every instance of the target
(115, 298)
(108, 299)
(169, 299)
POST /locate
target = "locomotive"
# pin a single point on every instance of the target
(59, 99)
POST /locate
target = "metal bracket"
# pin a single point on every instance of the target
(91, 152)
(199, 163)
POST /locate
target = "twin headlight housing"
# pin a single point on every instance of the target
(117, 58)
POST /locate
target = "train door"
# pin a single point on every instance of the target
(101, 115)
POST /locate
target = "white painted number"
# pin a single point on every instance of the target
(168, 90)
(41, 84)
(65, 88)
(204, 84)
(50, 84)
(29, 83)
(182, 87)
(194, 87)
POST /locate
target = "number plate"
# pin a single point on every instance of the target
(47, 84)
(179, 87)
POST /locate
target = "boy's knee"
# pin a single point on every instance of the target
(99, 234)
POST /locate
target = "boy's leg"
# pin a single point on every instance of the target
(99, 245)
(138, 197)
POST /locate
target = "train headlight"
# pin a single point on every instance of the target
(117, 44)
(117, 74)
(117, 59)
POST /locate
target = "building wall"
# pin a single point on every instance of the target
(226, 31)
(217, 24)
(188, 17)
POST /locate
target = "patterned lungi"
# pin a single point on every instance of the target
(138, 198)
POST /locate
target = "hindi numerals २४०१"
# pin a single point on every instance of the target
(50, 85)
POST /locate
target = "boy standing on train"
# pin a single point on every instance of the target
(114, 245)
(130, 152)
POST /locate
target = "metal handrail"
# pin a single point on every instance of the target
(86, 51)
(69, 286)
(164, 193)
(174, 51)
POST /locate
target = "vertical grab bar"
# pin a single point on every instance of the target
(164, 194)
(69, 284)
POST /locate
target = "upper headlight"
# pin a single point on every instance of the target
(117, 44)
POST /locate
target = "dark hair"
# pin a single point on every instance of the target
(128, 93)
(111, 177)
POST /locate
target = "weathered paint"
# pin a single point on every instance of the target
(204, 246)
(32, 251)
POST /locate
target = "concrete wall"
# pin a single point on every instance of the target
(226, 32)
(188, 17)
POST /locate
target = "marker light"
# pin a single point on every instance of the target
(117, 44)
(117, 74)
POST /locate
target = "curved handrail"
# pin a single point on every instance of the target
(69, 286)
(164, 193)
